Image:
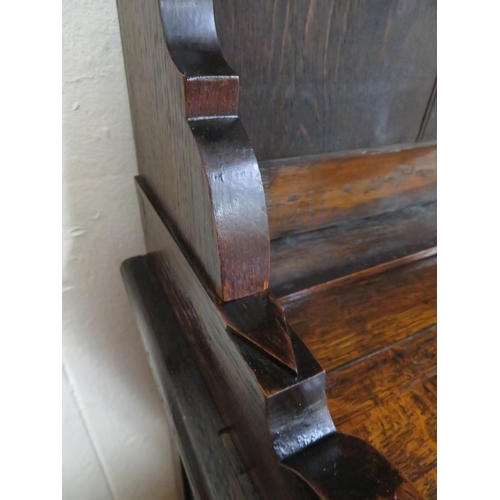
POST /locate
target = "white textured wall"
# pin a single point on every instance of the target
(116, 443)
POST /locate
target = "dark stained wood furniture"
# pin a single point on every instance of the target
(287, 189)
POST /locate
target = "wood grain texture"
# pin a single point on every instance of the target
(376, 337)
(206, 461)
(360, 275)
(341, 324)
(323, 75)
(367, 382)
(272, 411)
(257, 319)
(404, 429)
(191, 146)
(427, 484)
(308, 259)
(310, 193)
(319, 77)
(342, 467)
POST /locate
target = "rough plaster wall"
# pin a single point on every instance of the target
(116, 439)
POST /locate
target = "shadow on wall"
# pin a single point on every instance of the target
(104, 360)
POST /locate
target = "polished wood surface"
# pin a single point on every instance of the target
(315, 192)
(191, 146)
(323, 76)
(346, 240)
(255, 394)
(370, 380)
(276, 410)
(336, 467)
(358, 472)
(342, 323)
(404, 429)
(208, 464)
(335, 215)
(308, 259)
(376, 338)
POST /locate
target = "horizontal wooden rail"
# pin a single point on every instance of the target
(308, 193)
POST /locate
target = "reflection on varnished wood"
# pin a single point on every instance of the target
(314, 192)
(404, 429)
(341, 324)
(392, 371)
(329, 75)
(308, 259)
(348, 232)
(376, 337)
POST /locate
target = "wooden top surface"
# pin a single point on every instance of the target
(376, 339)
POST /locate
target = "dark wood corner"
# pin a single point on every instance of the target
(287, 189)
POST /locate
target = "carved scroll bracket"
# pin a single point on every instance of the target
(235, 190)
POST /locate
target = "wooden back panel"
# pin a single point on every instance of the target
(320, 76)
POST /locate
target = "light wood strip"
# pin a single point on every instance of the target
(310, 193)
(365, 383)
(344, 323)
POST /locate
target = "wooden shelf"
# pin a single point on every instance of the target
(310, 193)
(376, 338)
(308, 259)
(257, 194)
